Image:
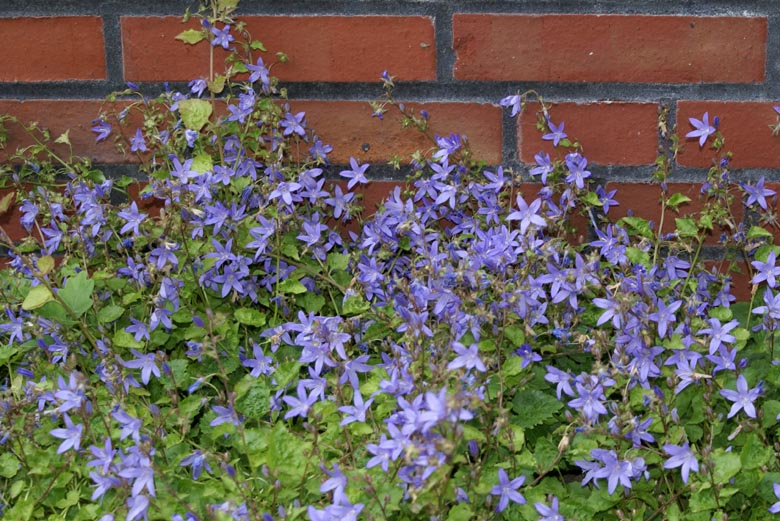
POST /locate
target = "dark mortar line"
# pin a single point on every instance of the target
(440, 91)
(112, 33)
(602, 174)
(509, 134)
(445, 57)
(772, 78)
(250, 7)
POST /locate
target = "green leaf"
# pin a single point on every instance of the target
(22, 510)
(676, 200)
(63, 138)
(257, 45)
(638, 225)
(472, 433)
(532, 407)
(338, 261)
(593, 199)
(6, 201)
(249, 317)
(77, 293)
(460, 512)
(721, 313)
(71, 499)
(292, 286)
(110, 313)
(37, 297)
(16, 489)
(727, 464)
(637, 256)
(217, 85)
(9, 465)
(754, 454)
(54, 311)
(515, 335)
(686, 227)
(195, 113)
(226, 6)
(771, 410)
(703, 500)
(310, 302)
(202, 163)
(285, 372)
(124, 339)
(513, 366)
(45, 264)
(757, 232)
(191, 36)
(287, 454)
(355, 305)
(6, 352)
(256, 403)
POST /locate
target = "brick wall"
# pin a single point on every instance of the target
(608, 66)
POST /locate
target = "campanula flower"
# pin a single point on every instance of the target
(703, 129)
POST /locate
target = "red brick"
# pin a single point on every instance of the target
(59, 116)
(609, 48)
(643, 200)
(745, 125)
(347, 126)
(610, 133)
(740, 282)
(52, 49)
(9, 221)
(320, 48)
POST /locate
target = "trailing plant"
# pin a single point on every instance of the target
(238, 339)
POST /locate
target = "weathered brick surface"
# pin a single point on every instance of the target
(320, 48)
(643, 200)
(59, 116)
(610, 133)
(52, 49)
(745, 125)
(609, 48)
(349, 128)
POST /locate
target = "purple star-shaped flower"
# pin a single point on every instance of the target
(221, 37)
(556, 133)
(703, 129)
(514, 102)
(71, 434)
(356, 175)
(507, 490)
(681, 457)
(775, 508)
(743, 397)
(549, 513)
(757, 193)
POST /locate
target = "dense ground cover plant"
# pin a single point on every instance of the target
(243, 342)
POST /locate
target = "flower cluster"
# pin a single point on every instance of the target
(237, 339)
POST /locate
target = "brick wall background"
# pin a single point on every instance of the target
(608, 66)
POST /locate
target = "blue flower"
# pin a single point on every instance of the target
(102, 129)
(681, 457)
(703, 129)
(757, 193)
(71, 435)
(468, 357)
(549, 513)
(356, 174)
(198, 462)
(507, 490)
(775, 508)
(221, 37)
(743, 397)
(514, 102)
(556, 133)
